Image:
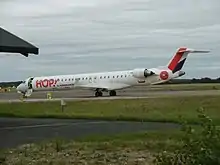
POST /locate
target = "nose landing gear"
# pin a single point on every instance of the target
(22, 96)
(26, 94)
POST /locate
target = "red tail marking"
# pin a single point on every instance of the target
(176, 58)
(164, 75)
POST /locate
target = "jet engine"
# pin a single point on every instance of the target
(142, 73)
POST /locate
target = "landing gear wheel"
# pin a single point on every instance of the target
(23, 96)
(112, 93)
(98, 93)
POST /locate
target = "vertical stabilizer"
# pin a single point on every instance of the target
(178, 60)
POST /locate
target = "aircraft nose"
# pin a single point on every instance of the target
(20, 88)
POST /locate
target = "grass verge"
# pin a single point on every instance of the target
(119, 149)
(185, 87)
(167, 109)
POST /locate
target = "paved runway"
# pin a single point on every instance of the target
(15, 132)
(19, 131)
(77, 94)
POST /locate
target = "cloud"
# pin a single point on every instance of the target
(97, 35)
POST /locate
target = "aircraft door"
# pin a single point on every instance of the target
(90, 80)
(94, 79)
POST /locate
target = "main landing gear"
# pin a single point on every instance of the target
(99, 93)
(112, 93)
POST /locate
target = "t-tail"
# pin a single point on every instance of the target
(178, 60)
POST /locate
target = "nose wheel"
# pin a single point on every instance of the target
(22, 97)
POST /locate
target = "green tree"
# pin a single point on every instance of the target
(198, 148)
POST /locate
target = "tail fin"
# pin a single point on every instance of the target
(178, 60)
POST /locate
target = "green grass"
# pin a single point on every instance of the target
(151, 109)
(135, 148)
(175, 87)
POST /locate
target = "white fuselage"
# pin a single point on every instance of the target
(110, 81)
(106, 80)
(102, 81)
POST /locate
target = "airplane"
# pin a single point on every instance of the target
(110, 81)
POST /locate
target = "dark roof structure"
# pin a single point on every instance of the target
(10, 43)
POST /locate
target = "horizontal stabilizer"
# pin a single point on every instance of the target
(194, 51)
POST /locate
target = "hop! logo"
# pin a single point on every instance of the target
(46, 83)
(164, 75)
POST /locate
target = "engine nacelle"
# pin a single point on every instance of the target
(142, 73)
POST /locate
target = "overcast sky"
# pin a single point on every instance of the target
(105, 35)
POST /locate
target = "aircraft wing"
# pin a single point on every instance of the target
(107, 86)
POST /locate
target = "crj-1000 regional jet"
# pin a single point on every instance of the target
(110, 81)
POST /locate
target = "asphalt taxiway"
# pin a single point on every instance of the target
(16, 131)
(20, 131)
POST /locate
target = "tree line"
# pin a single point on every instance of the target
(193, 80)
(9, 84)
